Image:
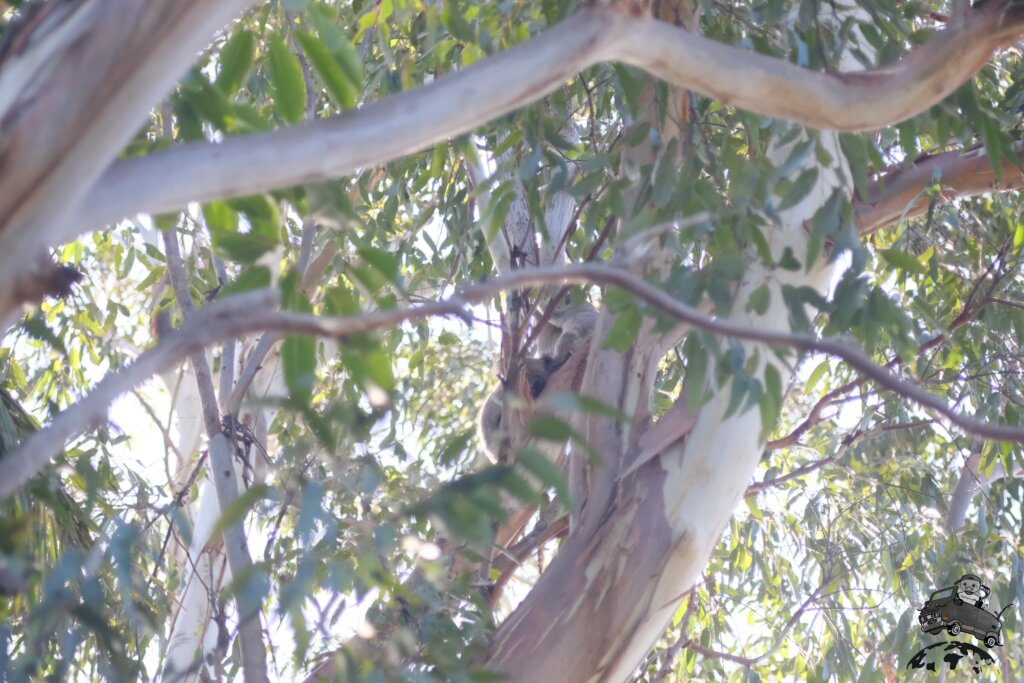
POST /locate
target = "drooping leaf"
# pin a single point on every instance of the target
(236, 59)
(287, 81)
(342, 90)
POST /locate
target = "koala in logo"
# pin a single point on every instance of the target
(970, 591)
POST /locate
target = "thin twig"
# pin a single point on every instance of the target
(222, 471)
(779, 639)
(255, 311)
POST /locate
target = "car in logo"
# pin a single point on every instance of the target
(946, 612)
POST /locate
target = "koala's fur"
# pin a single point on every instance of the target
(568, 330)
(536, 372)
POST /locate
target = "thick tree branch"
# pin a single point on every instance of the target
(416, 120)
(255, 311)
(960, 174)
(394, 127)
(857, 101)
(76, 81)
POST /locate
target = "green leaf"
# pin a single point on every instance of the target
(463, 517)
(816, 375)
(344, 92)
(799, 189)
(255, 277)
(242, 247)
(545, 471)
(902, 260)
(377, 365)
(235, 62)
(37, 328)
(549, 428)
(298, 352)
(453, 19)
(696, 373)
(771, 400)
(788, 260)
(564, 403)
(622, 334)
(455, 447)
(239, 507)
(666, 174)
(383, 262)
(263, 235)
(519, 487)
(298, 355)
(351, 62)
(340, 44)
(286, 81)
(759, 300)
(341, 300)
(220, 217)
(855, 149)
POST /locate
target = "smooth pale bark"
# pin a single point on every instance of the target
(518, 230)
(592, 484)
(76, 80)
(559, 213)
(971, 483)
(638, 556)
(453, 105)
(642, 543)
(848, 101)
(223, 473)
(194, 633)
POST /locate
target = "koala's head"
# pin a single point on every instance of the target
(969, 583)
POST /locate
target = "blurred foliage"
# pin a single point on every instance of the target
(372, 454)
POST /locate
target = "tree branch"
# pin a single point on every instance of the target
(970, 483)
(809, 467)
(455, 104)
(223, 474)
(779, 639)
(255, 311)
(75, 85)
(857, 101)
(960, 174)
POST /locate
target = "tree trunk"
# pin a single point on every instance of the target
(611, 590)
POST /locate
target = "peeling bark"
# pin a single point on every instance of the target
(644, 538)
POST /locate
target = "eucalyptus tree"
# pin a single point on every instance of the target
(334, 231)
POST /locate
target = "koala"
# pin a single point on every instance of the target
(490, 425)
(567, 331)
(970, 591)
